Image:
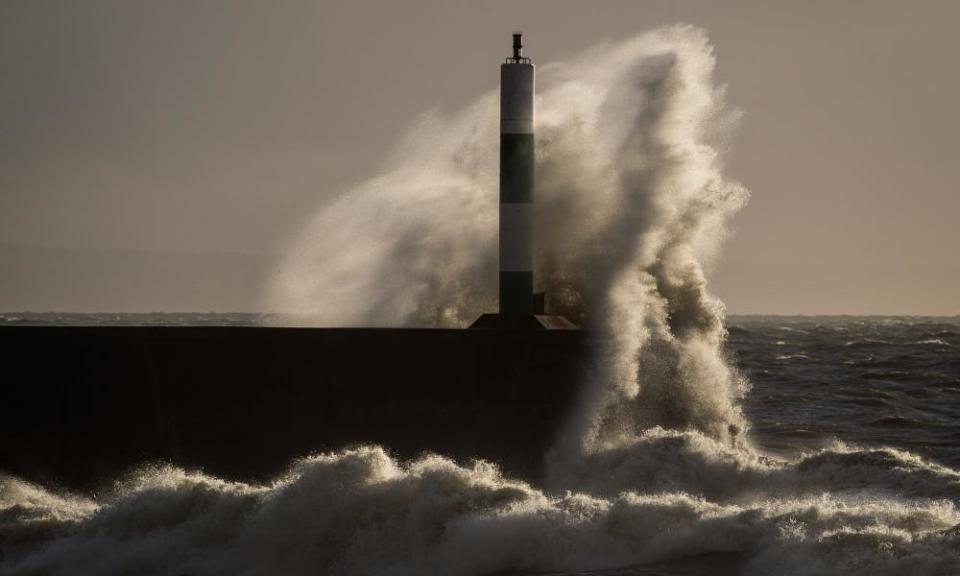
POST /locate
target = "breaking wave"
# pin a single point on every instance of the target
(631, 203)
(656, 472)
(676, 501)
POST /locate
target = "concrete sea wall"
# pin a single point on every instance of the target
(82, 404)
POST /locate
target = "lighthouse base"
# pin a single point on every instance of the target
(522, 322)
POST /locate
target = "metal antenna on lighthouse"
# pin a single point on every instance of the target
(517, 45)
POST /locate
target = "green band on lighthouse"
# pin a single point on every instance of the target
(516, 167)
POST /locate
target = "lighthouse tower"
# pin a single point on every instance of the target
(516, 183)
(520, 308)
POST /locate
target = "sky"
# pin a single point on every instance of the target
(161, 156)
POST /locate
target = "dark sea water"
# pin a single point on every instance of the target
(879, 381)
(140, 319)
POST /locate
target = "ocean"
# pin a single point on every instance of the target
(851, 468)
(890, 381)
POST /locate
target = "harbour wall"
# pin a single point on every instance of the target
(83, 404)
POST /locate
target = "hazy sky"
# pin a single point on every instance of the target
(158, 155)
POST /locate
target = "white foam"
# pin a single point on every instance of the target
(679, 495)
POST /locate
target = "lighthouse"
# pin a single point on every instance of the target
(516, 183)
(520, 308)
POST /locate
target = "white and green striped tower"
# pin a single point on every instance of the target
(516, 183)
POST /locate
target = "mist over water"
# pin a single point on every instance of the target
(655, 470)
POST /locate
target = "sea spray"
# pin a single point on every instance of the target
(637, 272)
(618, 128)
(630, 203)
